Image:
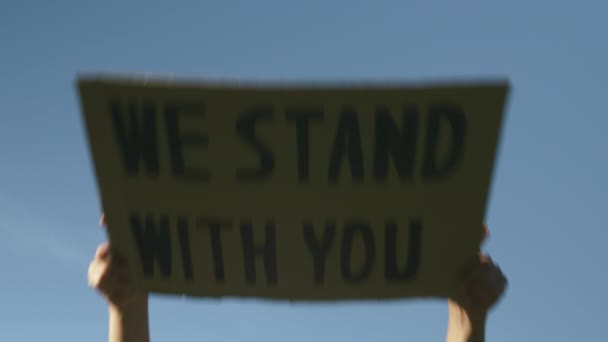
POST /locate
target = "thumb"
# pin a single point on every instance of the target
(102, 220)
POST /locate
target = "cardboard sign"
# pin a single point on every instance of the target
(296, 192)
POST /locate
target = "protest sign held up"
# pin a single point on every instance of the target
(295, 192)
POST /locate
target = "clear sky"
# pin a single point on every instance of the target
(547, 201)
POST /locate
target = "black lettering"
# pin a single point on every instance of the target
(391, 142)
(302, 119)
(184, 243)
(215, 227)
(245, 127)
(153, 240)
(347, 143)
(391, 270)
(178, 140)
(266, 250)
(456, 118)
(319, 248)
(136, 133)
(364, 232)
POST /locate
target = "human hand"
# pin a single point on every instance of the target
(109, 274)
(482, 283)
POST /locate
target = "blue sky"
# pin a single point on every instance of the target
(548, 197)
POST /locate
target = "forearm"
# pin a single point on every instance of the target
(463, 326)
(129, 324)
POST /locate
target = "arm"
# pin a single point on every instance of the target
(128, 311)
(129, 324)
(483, 283)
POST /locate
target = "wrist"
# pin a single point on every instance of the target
(465, 324)
(134, 306)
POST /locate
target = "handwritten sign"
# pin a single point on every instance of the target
(296, 192)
